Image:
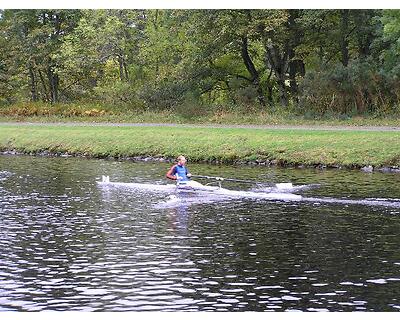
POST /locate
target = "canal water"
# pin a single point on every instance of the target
(68, 243)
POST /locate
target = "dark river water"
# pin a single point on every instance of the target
(69, 244)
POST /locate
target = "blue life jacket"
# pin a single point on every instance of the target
(181, 171)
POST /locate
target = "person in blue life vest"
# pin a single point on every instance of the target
(179, 171)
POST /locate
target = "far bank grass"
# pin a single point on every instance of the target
(288, 147)
(41, 112)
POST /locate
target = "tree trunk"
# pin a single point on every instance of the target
(270, 88)
(365, 35)
(283, 96)
(155, 23)
(292, 77)
(121, 68)
(34, 96)
(45, 91)
(344, 42)
(321, 54)
(255, 77)
(56, 82)
(53, 82)
(296, 66)
(126, 71)
(280, 66)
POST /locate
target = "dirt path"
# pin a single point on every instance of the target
(288, 127)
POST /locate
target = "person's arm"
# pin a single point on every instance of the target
(171, 173)
(188, 174)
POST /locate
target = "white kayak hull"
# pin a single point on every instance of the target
(198, 188)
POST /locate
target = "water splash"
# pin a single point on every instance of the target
(391, 203)
(201, 194)
(286, 188)
(198, 194)
(4, 175)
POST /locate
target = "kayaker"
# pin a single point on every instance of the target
(179, 171)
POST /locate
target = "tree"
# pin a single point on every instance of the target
(391, 33)
(219, 34)
(36, 35)
(101, 50)
(167, 58)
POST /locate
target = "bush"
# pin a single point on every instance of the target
(118, 94)
(44, 109)
(360, 88)
(162, 96)
(191, 107)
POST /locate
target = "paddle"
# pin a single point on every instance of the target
(278, 185)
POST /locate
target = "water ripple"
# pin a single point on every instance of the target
(68, 246)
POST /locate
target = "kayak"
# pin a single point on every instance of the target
(197, 188)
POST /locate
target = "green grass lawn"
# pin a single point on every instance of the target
(289, 147)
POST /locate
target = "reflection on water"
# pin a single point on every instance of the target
(69, 245)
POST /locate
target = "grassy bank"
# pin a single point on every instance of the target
(40, 112)
(283, 146)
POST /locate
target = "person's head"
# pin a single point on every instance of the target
(181, 160)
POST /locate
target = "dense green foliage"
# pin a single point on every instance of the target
(308, 62)
(287, 147)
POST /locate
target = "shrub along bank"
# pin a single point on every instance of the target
(288, 147)
(91, 112)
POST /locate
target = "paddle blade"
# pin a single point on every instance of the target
(284, 186)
